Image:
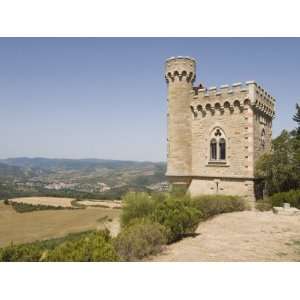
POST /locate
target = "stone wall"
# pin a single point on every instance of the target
(225, 186)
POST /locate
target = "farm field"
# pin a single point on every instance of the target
(107, 203)
(40, 225)
(66, 202)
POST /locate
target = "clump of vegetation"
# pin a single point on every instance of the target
(292, 197)
(95, 246)
(136, 205)
(26, 207)
(263, 205)
(85, 246)
(279, 171)
(6, 202)
(139, 239)
(211, 205)
(26, 252)
(178, 217)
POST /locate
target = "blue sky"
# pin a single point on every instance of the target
(106, 97)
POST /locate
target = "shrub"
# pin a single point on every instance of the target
(6, 202)
(136, 205)
(178, 191)
(26, 207)
(292, 197)
(83, 246)
(211, 205)
(263, 205)
(95, 246)
(29, 253)
(140, 239)
(177, 216)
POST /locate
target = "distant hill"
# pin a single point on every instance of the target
(7, 170)
(75, 164)
(24, 176)
(17, 172)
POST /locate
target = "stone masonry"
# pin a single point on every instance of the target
(215, 135)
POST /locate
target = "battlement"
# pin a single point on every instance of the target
(235, 95)
(179, 68)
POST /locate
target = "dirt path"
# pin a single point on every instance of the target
(241, 236)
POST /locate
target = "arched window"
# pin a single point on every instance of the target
(217, 145)
(222, 149)
(213, 149)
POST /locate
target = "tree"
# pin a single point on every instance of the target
(279, 171)
(296, 118)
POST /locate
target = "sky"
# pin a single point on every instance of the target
(106, 97)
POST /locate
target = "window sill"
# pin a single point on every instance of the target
(217, 163)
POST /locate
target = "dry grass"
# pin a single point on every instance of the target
(40, 225)
(48, 201)
(101, 203)
(66, 202)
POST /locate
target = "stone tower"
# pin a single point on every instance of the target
(215, 135)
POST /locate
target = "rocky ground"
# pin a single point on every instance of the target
(240, 236)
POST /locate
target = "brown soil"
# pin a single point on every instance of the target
(241, 236)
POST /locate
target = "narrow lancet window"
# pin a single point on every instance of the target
(222, 149)
(213, 149)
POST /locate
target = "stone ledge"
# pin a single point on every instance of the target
(286, 211)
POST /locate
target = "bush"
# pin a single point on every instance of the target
(178, 191)
(26, 207)
(19, 253)
(292, 197)
(211, 205)
(83, 246)
(95, 246)
(263, 205)
(136, 205)
(6, 202)
(140, 239)
(178, 216)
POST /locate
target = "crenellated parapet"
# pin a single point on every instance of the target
(264, 102)
(180, 68)
(235, 97)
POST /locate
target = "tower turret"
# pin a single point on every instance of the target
(180, 73)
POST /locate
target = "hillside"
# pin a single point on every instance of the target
(94, 178)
